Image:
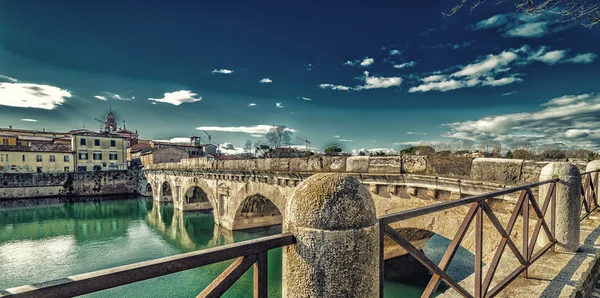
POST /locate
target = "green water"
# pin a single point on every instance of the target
(50, 242)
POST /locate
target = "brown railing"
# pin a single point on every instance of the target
(246, 253)
(478, 206)
(589, 192)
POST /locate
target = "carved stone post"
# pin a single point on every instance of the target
(568, 205)
(337, 249)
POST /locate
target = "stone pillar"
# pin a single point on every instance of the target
(568, 205)
(337, 249)
(593, 166)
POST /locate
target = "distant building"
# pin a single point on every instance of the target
(134, 151)
(36, 158)
(99, 151)
(193, 148)
(165, 154)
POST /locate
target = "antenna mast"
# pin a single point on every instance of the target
(306, 142)
(209, 136)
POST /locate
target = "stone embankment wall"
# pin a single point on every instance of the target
(505, 171)
(28, 185)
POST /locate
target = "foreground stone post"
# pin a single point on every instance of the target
(337, 249)
(568, 205)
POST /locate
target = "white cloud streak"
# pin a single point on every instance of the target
(100, 97)
(255, 130)
(222, 71)
(364, 62)
(29, 120)
(265, 81)
(406, 64)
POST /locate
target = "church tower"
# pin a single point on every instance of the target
(111, 122)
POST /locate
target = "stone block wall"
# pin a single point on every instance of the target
(27, 185)
(505, 171)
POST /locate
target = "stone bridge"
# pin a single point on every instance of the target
(245, 194)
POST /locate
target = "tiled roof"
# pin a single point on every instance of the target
(38, 148)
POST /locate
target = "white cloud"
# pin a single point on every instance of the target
(364, 62)
(116, 96)
(278, 105)
(508, 93)
(177, 140)
(266, 81)
(251, 104)
(100, 97)
(306, 98)
(406, 64)
(222, 71)
(336, 136)
(257, 135)
(334, 87)
(37, 96)
(395, 53)
(345, 140)
(253, 130)
(154, 103)
(9, 79)
(584, 58)
(372, 82)
(493, 70)
(572, 120)
(416, 133)
(29, 120)
(178, 97)
(522, 25)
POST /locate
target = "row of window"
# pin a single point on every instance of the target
(3, 157)
(39, 169)
(4, 141)
(83, 155)
(83, 142)
(38, 158)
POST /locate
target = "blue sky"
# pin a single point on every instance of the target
(361, 74)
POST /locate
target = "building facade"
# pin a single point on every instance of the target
(165, 154)
(99, 151)
(37, 158)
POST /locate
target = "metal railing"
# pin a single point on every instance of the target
(246, 253)
(478, 206)
(589, 192)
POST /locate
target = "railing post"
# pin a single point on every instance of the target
(594, 165)
(337, 235)
(568, 205)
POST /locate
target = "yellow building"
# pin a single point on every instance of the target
(36, 158)
(99, 151)
(8, 139)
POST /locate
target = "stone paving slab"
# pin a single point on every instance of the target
(554, 274)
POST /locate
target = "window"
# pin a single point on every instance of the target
(82, 142)
(6, 157)
(113, 143)
(67, 169)
(38, 158)
(4, 141)
(97, 155)
(83, 155)
(2, 157)
(81, 168)
(112, 155)
(19, 144)
(66, 158)
(52, 158)
(23, 157)
(97, 142)
(39, 169)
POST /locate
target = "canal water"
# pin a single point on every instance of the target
(49, 242)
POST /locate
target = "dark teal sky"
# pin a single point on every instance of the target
(379, 74)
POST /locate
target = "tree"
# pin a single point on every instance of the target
(523, 154)
(333, 150)
(508, 154)
(587, 12)
(496, 149)
(467, 144)
(279, 136)
(361, 153)
(262, 149)
(248, 147)
(553, 154)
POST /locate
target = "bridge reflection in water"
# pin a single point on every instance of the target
(49, 242)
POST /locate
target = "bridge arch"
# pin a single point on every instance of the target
(166, 192)
(256, 211)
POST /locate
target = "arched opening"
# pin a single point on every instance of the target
(195, 198)
(148, 190)
(256, 211)
(167, 193)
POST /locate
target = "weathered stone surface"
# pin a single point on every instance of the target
(385, 164)
(357, 164)
(299, 165)
(496, 169)
(593, 166)
(334, 163)
(449, 166)
(315, 164)
(337, 251)
(568, 204)
(27, 185)
(414, 164)
(530, 172)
